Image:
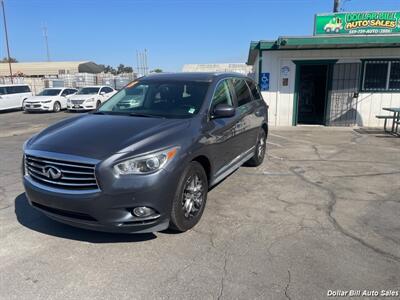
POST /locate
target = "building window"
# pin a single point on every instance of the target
(381, 76)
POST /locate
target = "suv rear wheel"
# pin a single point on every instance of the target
(259, 151)
(190, 199)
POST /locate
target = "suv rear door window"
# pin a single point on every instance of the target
(242, 91)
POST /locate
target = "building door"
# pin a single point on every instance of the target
(343, 103)
(312, 93)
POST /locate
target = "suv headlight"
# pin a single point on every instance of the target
(47, 101)
(90, 100)
(145, 164)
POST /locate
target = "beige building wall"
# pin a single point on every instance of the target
(280, 98)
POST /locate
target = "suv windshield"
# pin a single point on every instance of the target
(49, 92)
(178, 99)
(88, 91)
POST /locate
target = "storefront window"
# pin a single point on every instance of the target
(381, 76)
(394, 80)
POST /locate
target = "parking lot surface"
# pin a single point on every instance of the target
(321, 213)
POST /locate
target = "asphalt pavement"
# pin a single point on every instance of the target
(321, 213)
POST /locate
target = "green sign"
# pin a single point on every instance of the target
(384, 22)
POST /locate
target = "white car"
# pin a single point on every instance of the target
(51, 99)
(13, 95)
(90, 97)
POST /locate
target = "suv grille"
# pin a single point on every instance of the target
(61, 174)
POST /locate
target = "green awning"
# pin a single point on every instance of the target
(322, 42)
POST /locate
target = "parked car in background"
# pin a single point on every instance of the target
(51, 99)
(90, 97)
(149, 166)
(13, 95)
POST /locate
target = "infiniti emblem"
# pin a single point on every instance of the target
(52, 172)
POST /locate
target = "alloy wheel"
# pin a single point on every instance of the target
(193, 196)
(261, 148)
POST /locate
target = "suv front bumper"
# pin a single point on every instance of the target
(110, 210)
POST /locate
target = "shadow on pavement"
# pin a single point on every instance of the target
(35, 220)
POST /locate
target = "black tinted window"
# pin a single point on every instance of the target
(108, 90)
(26, 89)
(242, 91)
(17, 89)
(254, 90)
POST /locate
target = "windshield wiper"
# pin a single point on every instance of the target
(145, 115)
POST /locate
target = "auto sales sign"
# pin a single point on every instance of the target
(384, 22)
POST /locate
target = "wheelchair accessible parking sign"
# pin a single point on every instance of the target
(264, 82)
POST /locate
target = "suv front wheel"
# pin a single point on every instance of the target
(190, 199)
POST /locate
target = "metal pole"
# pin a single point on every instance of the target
(8, 47)
(336, 6)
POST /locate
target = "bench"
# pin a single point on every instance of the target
(385, 118)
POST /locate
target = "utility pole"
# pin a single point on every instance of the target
(8, 47)
(336, 6)
(46, 41)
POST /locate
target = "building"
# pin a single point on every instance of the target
(228, 67)
(343, 75)
(53, 68)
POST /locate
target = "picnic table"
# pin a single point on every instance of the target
(396, 117)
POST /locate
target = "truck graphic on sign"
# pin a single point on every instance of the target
(334, 25)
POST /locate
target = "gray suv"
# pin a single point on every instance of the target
(147, 166)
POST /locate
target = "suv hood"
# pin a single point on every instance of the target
(100, 136)
(36, 99)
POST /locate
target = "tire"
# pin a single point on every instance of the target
(23, 107)
(56, 107)
(259, 152)
(98, 103)
(186, 211)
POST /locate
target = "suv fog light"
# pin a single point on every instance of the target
(143, 211)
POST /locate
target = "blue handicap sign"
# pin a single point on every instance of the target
(264, 82)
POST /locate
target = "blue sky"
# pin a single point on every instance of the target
(175, 32)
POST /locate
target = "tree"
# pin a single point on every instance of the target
(128, 70)
(124, 69)
(121, 68)
(5, 60)
(157, 71)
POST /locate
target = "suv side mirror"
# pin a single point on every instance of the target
(102, 93)
(223, 111)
